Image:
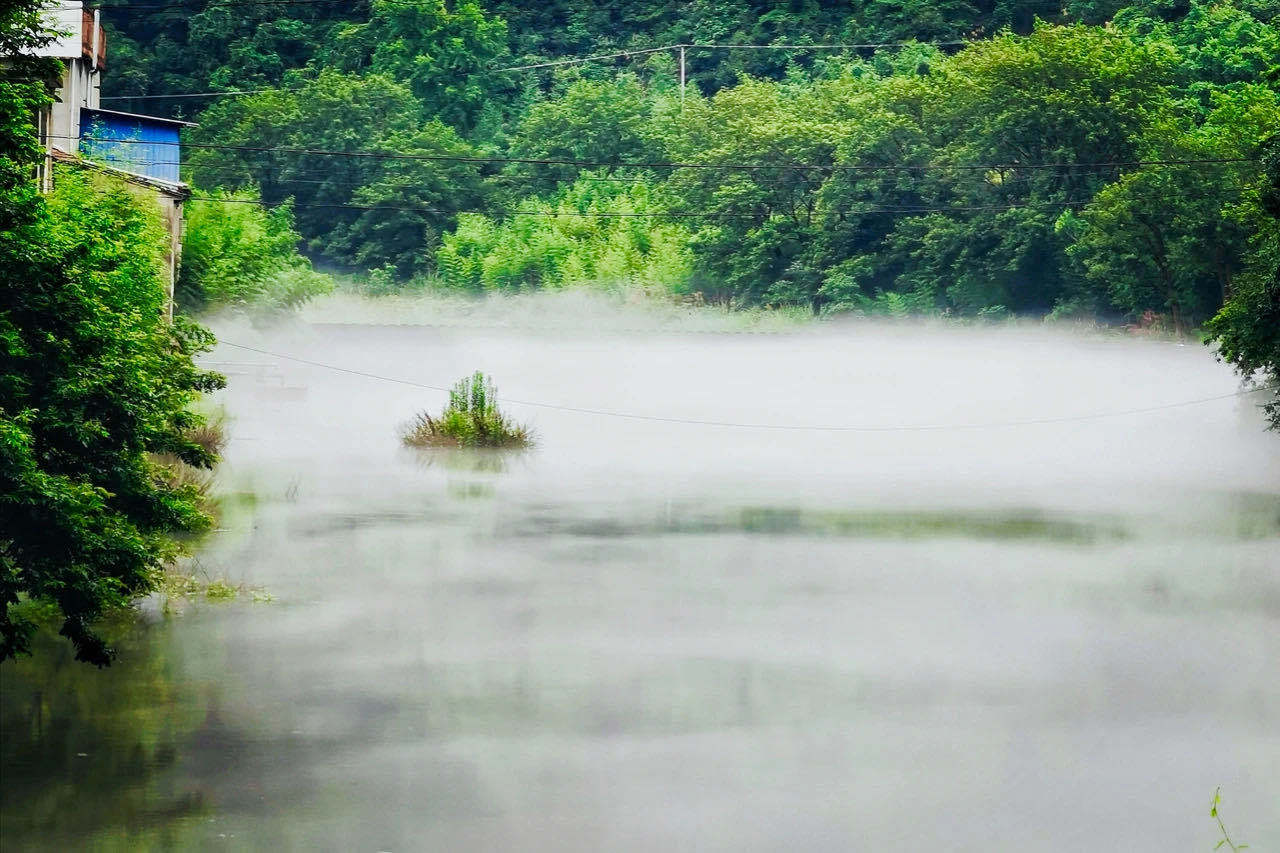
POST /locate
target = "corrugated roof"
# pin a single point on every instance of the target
(157, 119)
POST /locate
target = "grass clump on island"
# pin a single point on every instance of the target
(472, 419)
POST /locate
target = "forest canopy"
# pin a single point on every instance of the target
(1094, 160)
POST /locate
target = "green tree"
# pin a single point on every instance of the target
(591, 233)
(205, 47)
(238, 254)
(980, 157)
(597, 121)
(1172, 238)
(92, 381)
(406, 204)
(446, 55)
(411, 200)
(762, 222)
(1247, 329)
(1220, 43)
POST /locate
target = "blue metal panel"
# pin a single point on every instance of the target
(147, 147)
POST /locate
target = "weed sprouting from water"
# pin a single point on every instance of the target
(178, 585)
(472, 419)
(1226, 839)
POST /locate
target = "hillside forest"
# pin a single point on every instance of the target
(969, 159)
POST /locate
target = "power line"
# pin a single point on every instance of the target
(652, 215)
(556, 63)
(502, 178)
(583, 59)
(215, 4)
(597, 164)
(195, 94)
(210, 4)
(625, 54)
(771, 426)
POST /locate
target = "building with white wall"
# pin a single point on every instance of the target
(141, 151)
(81, 45)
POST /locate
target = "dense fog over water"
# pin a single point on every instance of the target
(999, 613)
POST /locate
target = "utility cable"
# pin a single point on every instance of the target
(540, 161)
(196, 94)
(639, 215)
(689, 46)
(770, 426)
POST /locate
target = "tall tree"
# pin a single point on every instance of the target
(1247, 329)
(93, 381)
(448, 56)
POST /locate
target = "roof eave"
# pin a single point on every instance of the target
(173, 189)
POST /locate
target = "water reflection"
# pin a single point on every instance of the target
(635, 638)
(89, 761)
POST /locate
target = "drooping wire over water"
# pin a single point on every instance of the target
(865, 428)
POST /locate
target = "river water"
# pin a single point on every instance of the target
(984, 620)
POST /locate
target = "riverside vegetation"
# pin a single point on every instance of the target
(104, 454)
(1095, 160)
(471, 419)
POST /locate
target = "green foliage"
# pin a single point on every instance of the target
(25, 84)
(596, 121)
(408, 204)
(237, 254)
(358, 211)
(759, 242)
(380, 282)
(93, 383)
(872, 178)
(1172, 238)
(592, 233)
(1247, 329)
(472, 419)
(215, 48)
(1225, 841)
(445, 53)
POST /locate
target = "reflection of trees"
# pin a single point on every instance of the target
(465, 460)
(85, 753)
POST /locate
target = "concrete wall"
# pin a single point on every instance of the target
(170, 206)
(81, 87)
(66, 17)
(171, 210)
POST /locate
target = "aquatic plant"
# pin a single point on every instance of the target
(472, 419)
(1226, 839)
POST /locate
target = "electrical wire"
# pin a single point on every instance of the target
(580, 60)
(597, 164)
(691, 46)
(771, 426)
(710, 215)
(196, 94)
(234, 170)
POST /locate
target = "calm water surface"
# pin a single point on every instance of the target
(657, 636)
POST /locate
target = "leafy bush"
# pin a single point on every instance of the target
(379, 282)
(565, 243)
(94, 386)
(238, 254)
(1247, 329)
(471, 419)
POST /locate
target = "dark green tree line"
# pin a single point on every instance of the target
(868, 192)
